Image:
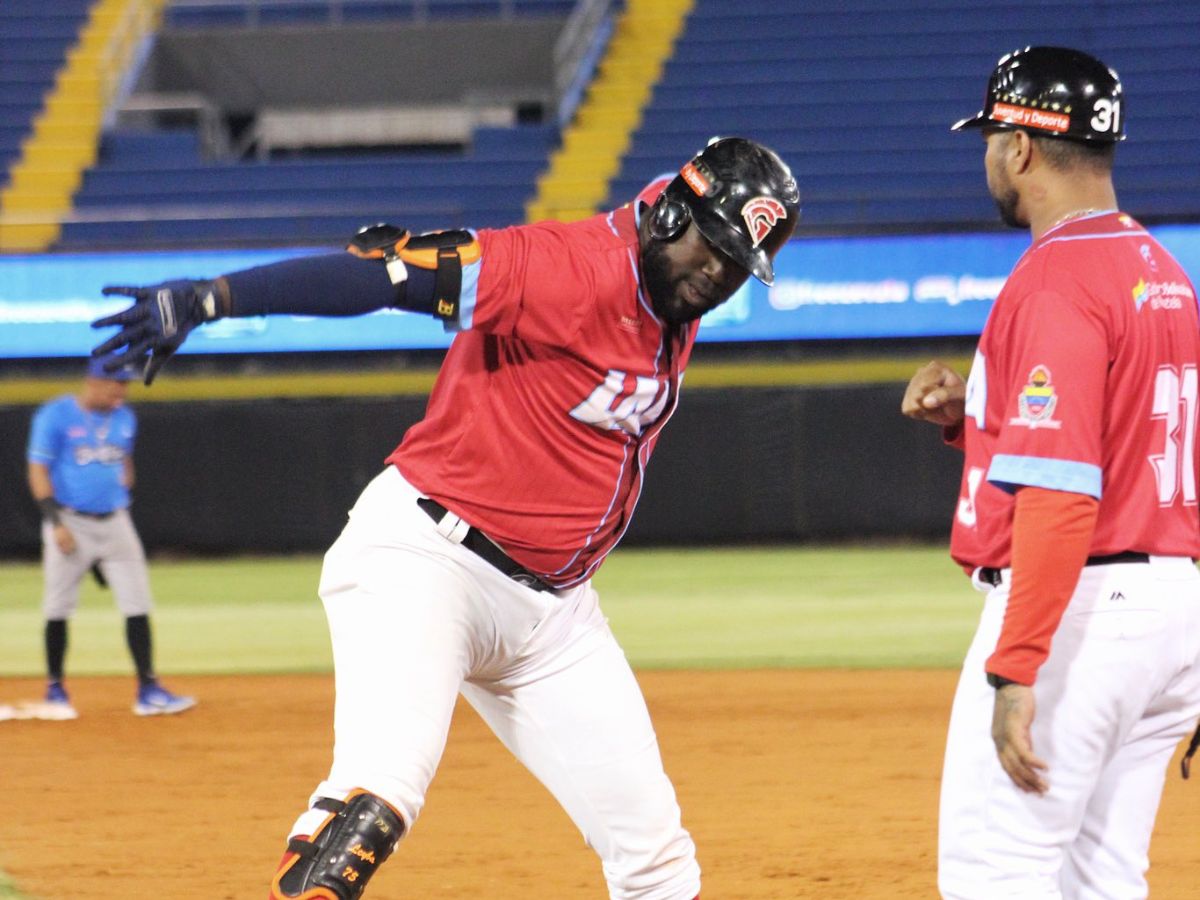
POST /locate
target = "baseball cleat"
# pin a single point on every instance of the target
(56, 707)
(155, 700)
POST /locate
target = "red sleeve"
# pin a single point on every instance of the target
(1052, 533)
(540, 282)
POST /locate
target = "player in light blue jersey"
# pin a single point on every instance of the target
(80, 459)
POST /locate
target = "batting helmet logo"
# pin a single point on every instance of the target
(760, 215)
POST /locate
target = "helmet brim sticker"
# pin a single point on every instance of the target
(695, 179)
(1026, 117)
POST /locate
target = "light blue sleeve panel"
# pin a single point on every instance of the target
(1009, 472)
(467, 296)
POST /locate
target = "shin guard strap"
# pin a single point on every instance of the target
(345, 853)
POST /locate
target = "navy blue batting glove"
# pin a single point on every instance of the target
(159, 320)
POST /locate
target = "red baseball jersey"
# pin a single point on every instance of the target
(1085, 380)
(548, 404)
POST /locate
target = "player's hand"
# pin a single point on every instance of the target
(64, 539)
(935, 394)
(157, 323)
(1012, 717)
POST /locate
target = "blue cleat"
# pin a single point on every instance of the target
(155, 700)
(57, 705)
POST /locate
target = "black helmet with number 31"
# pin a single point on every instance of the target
(741, 196)
(1053, 92)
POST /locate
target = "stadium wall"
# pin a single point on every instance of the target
(244, 70)
(736, 465)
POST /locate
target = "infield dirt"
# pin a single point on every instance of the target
(795, 784)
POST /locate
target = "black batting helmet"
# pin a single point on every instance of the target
(1053, 92)
(741, 196)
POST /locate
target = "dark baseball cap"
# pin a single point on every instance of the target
(95, 369)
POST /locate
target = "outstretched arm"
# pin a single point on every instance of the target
(162, 315)
(386, 267)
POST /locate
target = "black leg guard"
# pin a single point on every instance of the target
(344, 853)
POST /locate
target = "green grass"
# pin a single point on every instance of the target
(211, 616)
(902, 606)
(894, 606)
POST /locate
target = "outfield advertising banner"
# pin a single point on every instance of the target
(893, 286)
(876, 287)
(47, 304)
(935, 285)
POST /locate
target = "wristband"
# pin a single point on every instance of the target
(50, 507)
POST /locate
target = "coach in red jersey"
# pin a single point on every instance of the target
(1077, 515)
(466, 565)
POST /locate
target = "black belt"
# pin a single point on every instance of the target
(481, 545)
(992, 576)
(92, 515)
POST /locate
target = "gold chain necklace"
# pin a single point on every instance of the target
(1077, 214)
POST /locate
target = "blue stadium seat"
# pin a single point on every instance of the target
(40, 27)
(39, 9)
(160, 177)
(859, 98)
(857, 95)
(27, 71)
(141, 150)
(236, 13)
(34, 38)
(33, 49)
(205, 17)
(325, 229)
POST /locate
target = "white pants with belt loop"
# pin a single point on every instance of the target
(1118, 692)
(415, 618)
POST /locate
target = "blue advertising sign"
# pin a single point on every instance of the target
(891, 286)
(871, 287)
(47, 304)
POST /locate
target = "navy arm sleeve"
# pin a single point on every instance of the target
(331, 284)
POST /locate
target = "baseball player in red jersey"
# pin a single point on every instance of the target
(1077, 513)
(465, 566)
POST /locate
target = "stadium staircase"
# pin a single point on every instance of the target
(593, 145)
(54, 103)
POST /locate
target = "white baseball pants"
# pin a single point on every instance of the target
(414, 619)
(1119, 691)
